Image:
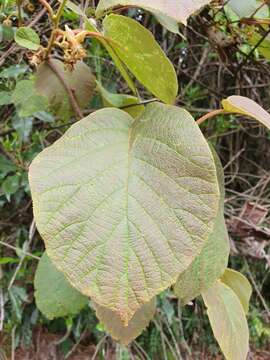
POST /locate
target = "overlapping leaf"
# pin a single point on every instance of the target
(228, 321)
(248, 107)
(81, 82)
(240, 285)
(115, 327)
(138, 50)
(121, 101)
(54, 295)
(124, 206)
(27, 37)
(178, 10)
(213, 260)
(249, 8)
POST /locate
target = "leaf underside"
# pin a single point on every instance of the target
(55, 297)
(245, 106)
(240, 285)
(211, 263)
(81, 81)
(228, 321)
(124, 206)
(115, 327)
(178, 10)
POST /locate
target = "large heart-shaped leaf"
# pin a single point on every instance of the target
(211, 263)
(245, 106)
(124, 206)
(55, 297)
(178, 10)
(80, 81)
(138, 50)
(115, 327)
(228, 321)
(240, 285)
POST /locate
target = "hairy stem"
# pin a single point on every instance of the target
(20, 21)
(210, 115)
(56, 19)
(48, 7)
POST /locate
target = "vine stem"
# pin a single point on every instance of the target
(210, 115)
(19, 12)
(55, 19)
(48, 7)
(73, 101)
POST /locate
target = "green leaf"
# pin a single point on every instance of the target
(11, 185)
(137, 48)
(248, 7)
(213, 260)
(124, 206)
(55, 297)
(23, 126)
(26, 100)
(240, 285)
(89, 25)
(255, 38)
(8, 260)
(114, 326)
(5, 98)
(13, 71)
(248, 107)
(120, 101)
(228, 321)
(81, 81)
(28, 38)
(6, 166)
(179, 10)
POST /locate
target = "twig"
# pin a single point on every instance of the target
(30, 239)
(2, 309)
(138, 104)
(47, 7)
(98, 347)
(73, 101)
(18, 249)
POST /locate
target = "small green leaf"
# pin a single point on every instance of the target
(239, 284)
(28, 38)
(8, 260)
(11, 185)
(228, 321)
(213, 259)
(55, 296)
(139, 211)
(6, 166)
(138, 50)
(26, 100)
(13, 71)
(120, 101)
(179, 10)
(23, 126)
(245, 106)
(5, 98)
(125, 334)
